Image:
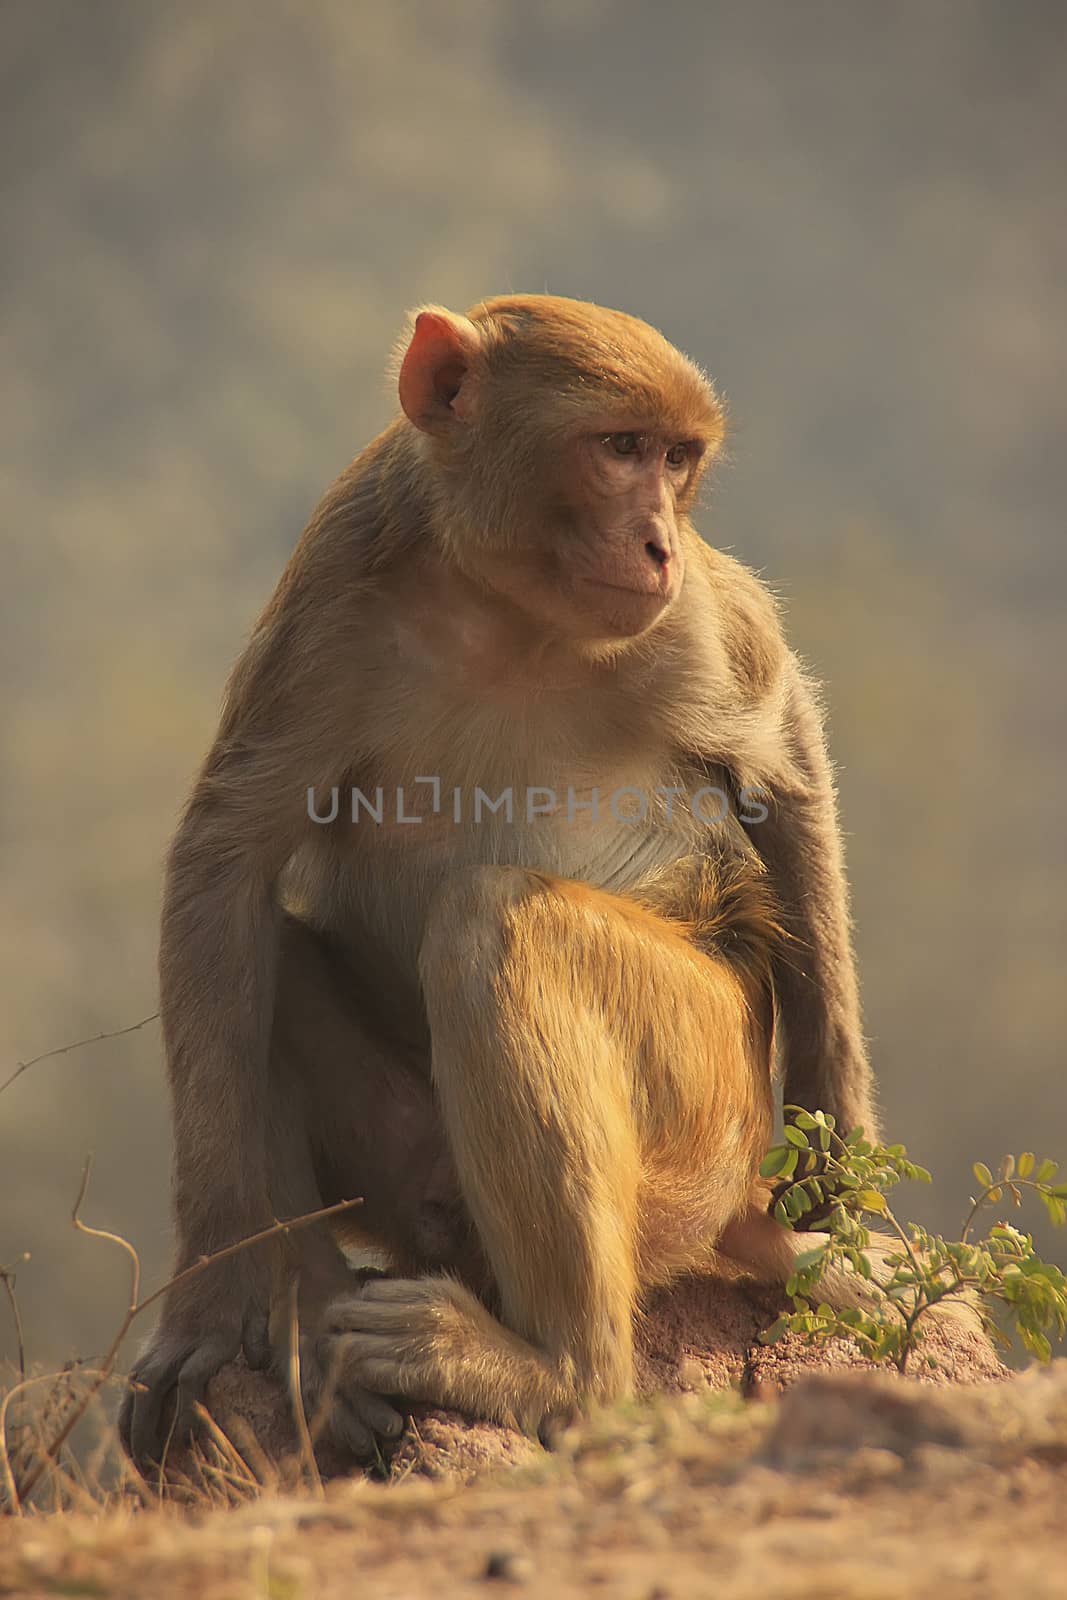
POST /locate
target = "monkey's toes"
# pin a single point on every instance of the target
(356, 1417)
(388, 1305)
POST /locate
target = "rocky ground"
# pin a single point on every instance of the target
(828, 1480)
(701, 1336)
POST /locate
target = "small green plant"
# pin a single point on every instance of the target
(835, 1182)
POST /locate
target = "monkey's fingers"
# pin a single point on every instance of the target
(360, 1419)
(385, 1303)
(126, 1410)
(376, 1361)
(166, 1387)
(394, 1336)
(141, 1421)
(355, 1418)
(193, 1378)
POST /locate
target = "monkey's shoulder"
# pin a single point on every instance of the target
(743, 613)
(368, 522)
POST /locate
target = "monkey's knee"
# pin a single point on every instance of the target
(471, 926)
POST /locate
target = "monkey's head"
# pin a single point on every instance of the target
(568, 443)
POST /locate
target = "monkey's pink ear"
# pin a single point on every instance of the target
(436, 383)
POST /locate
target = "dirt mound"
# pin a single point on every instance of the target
(700, 1335)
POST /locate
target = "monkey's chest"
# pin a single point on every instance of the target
(569, 782)
(370, 872)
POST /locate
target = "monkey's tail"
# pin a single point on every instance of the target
(757, 1247)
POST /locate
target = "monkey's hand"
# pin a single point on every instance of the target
(206, 1322)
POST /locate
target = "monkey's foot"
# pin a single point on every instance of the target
(356, 1418)
(430, 1339)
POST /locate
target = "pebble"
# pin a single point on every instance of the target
(506, 1566)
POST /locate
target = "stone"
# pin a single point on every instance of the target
(700, 1333)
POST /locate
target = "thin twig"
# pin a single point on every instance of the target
(983, 1199)
(136, 1307)
(102, 1233)
(65, 1049)
(7, 1278)
(276, 1230)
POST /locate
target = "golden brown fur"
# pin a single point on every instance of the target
(539, 1046)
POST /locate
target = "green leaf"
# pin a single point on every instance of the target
(981, 1173)
(810, 1258)
(1046, 1171)
(774, 1161)
(1037, 1344)
(795, 1137)
(869, 1199)
(1025, 1164)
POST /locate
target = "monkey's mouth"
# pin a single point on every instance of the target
(659, 587)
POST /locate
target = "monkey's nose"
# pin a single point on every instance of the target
(659, 552)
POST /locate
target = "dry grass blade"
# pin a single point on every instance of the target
(253, 1453)
(296, 1392)
(135, 1308)
(227, 1449)
(17, 1495)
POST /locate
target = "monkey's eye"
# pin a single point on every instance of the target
(624, 444)
(678, 455)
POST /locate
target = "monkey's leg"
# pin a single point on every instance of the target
(349, 1115)
(352, 1115)
(607, 1098)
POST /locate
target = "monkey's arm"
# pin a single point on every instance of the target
(762, 721)
(218, 954)
(291, 721)
(826, 1065)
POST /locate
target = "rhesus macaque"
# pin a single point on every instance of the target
(536, 1037)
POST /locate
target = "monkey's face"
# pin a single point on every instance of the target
(567, 445)
(623, 487)
(593, 551)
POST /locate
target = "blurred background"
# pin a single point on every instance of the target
(213, 220)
